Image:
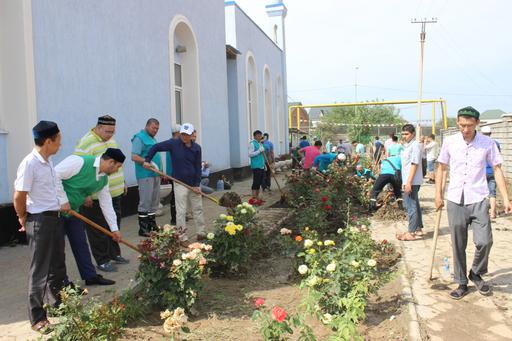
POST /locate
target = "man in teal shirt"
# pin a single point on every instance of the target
(389, 174)
(148, 181)
(394, 147)
(256, 151)
(323, 161)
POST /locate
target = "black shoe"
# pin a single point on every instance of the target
(173, 222)
(483, 288)
(144, 224)
(460, 292)
(152, 225)
(99, 280)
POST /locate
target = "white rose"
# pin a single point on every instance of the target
(371, 262)
(312, 281)
(239, 206)
(331, 267)
(354, 264)
(303, 269)
(340, 230)
(246, 204)
(308, 243)
(327, 318)
(285, 231)
(243, 211)
(176, 262)
(210, 235)
(208, 248)
(222, 216)
(354, 229)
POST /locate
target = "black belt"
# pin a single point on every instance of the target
(46, 214)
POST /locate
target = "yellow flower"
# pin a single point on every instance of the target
(239, 227)
(329, 242)
(311, 251)
(229, 218)
(230, 229)
(319, 243)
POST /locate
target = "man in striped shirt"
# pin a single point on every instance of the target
(95, 143)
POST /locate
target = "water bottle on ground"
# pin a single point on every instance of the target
(220, 185)
(446, 268)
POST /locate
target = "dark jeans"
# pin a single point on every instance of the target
(75, 230)
(258, 176)
(412, 204)
(47, 263)
(173, 205)
(102, 246)
(382, 181)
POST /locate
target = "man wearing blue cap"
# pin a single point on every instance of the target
(38, 209)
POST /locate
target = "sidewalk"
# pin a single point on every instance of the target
(475, 317)
(14, 264)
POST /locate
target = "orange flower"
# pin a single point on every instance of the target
(298, 239)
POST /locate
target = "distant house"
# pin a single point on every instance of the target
(491, 116)
(316, 114)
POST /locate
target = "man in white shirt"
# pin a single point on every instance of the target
(430, 150)
(36, 204)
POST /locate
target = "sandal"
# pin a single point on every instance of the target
(44, 327)
(419, 233)
(460, 292)
(407, 236)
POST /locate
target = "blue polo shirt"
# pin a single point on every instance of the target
(303, 144)
(386, 167)
(186, 161)
(323, 161)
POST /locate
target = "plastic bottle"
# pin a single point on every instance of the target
(446, 267)
(220, 185)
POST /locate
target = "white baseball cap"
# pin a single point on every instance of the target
(341, 157)
(187, 128)
(485, 130)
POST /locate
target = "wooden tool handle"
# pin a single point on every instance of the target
(273, 174)
(101, 229)
(215, 200)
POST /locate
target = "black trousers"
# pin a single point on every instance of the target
(173, 205)
(258, 176)
(382, 181)
(103, 248)
(268, 177)
(45, 236)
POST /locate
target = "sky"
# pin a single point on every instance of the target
(468, 52)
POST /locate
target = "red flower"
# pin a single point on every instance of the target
(324, 199)
(384, 241)
(278, 314)
(328, 207)
(259, 302)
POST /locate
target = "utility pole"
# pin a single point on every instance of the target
(423, 23)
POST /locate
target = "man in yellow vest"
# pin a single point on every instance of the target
(95, 143)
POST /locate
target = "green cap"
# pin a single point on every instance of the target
(469, 112)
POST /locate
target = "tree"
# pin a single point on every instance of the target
(362, 118)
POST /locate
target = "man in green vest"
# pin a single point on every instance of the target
(77, 178)
(95, 143)
(148, 181)
(256, 151)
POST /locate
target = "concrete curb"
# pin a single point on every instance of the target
(407, 294)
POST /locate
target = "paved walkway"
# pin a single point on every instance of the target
(14, 267)
(475, 317)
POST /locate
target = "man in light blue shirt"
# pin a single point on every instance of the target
(394, 148)
(412, 178)
(389, 174)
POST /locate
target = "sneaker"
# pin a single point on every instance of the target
(107, 267)
(120, 260)
(483, 288)
(99, 280)
(460, 292)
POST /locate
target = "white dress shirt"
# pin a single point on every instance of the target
(70, 167)
(37, 177)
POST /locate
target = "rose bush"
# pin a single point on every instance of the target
(235, 240)
(171, 278)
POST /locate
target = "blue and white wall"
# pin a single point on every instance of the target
(117, 57)
(257, 95)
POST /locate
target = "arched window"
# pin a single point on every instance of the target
(184, 74)
(267, 100)
(252, 94)
(280, 116)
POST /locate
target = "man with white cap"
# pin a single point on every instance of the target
(491, 181)
(186, 161)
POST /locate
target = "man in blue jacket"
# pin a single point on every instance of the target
(186, 167)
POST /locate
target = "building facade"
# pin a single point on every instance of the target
(202, 61)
